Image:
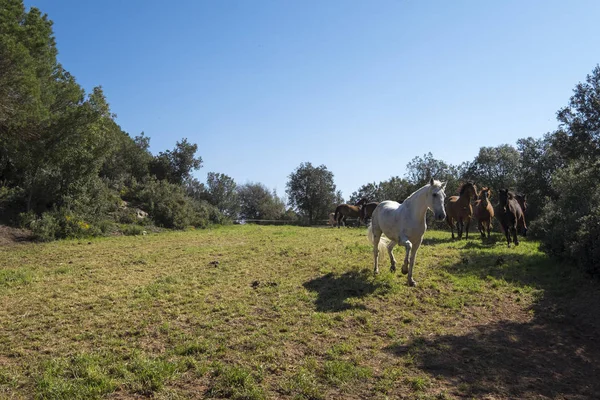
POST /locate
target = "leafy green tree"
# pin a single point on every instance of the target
(421, 169)
(370, 191)
(176, 166)
(129, 159)
(578, 136)
(539, 161)
(311, 191)
(396, 189)
(222, 193)
(495, 167)
(257, 202)
(569, 224)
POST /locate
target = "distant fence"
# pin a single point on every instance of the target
(319, 222)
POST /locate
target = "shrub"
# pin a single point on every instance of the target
(170, 207)
(569, 226)
(46, 228)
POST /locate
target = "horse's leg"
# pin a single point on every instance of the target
(507, 233)
(524, 226)
(489, 227)
(481, 228)
(514, 234)
(459, 227)
(376, 238)
(408, 246)
(468, 224)
(413, 255)
(390, 248)
(450, 224)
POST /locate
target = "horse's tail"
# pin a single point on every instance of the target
(337, 211)
(383, 241)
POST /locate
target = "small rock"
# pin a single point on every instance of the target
(255, 284)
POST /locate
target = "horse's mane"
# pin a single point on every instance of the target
(436, 183)
(464, 187)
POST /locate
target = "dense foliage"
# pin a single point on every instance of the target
(66, 167)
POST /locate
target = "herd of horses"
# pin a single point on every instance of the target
(460, 211)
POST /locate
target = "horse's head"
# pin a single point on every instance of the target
(469, 189)
(436, 199)
(485, 193)
(503, 196)
(362, 202)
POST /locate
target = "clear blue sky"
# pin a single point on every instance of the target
(360, 86)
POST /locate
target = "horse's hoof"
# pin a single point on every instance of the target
(393, 269)
(517, 243)
(404, 271)
(376, 272)
(412, 283)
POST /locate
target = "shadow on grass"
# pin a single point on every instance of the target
(334, 290)
(434, 240)
(511, 360)
(555, 354)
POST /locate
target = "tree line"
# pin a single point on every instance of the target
(67, 169)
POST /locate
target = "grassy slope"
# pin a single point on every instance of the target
(289, 312)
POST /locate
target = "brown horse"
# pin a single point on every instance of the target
(459, 209)
(521, 225)
(509, 213)
(367, 210)
(344, 211)
(484, 212)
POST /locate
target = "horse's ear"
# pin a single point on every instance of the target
(444, 185)
(431, 181)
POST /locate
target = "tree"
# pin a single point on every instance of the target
(130, 158)
(176, 166)
(421, 169)
(539, 161)
(311, 191)
(396, 189)
(578, 136)
(495, 167)
(257, 202)
(569, 224)
(370, 191)
(222, 193)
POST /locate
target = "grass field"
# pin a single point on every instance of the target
(263, 312)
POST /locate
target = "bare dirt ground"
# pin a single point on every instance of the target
(10, 236)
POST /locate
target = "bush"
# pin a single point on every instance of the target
(46, 228)
(133, 230)
(569, 226)
(170, 207)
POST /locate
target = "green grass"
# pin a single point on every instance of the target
(268, 312)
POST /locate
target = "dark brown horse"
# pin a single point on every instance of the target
(367, 210)
(344, 211)
(459, 209)
(484, 212)
(509, 213)
(521, 225)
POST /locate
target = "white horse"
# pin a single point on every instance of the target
(405, 224)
